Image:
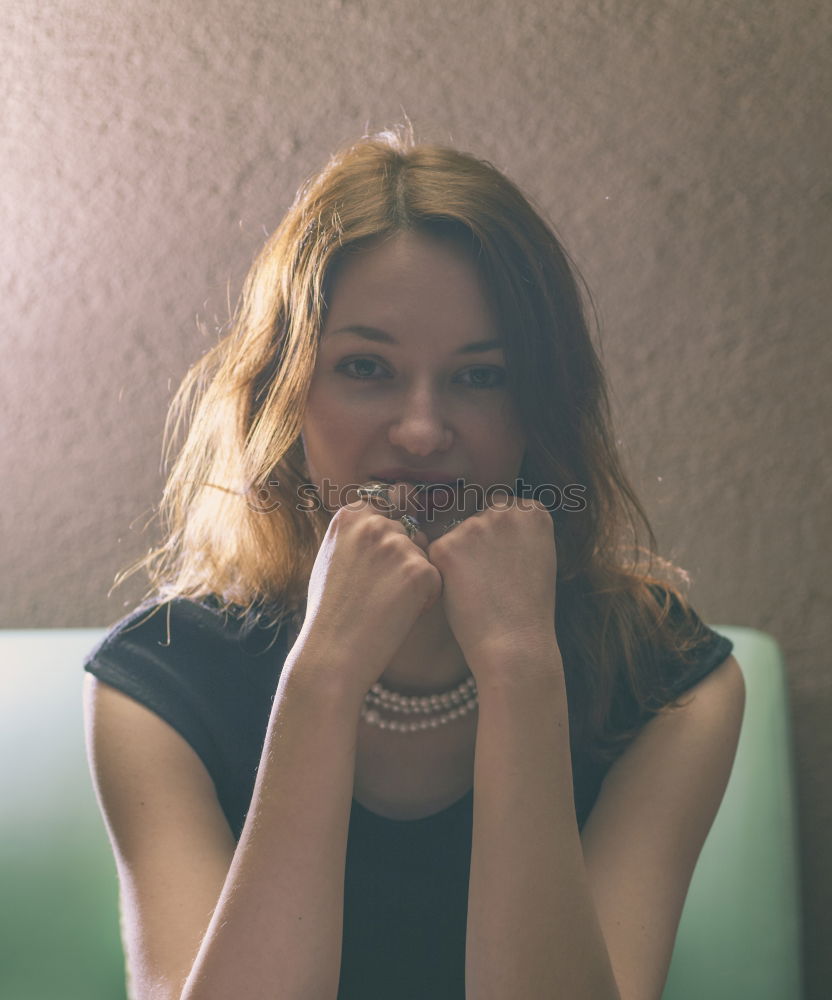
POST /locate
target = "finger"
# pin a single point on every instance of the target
(371, 504)
(372, 496)
(502, 498)
(400, 495)
(421, 539)
(417, 536)
(406, 498)
(396, 500)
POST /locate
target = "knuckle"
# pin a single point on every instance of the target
(349, 509)
(419, 571)
(430, 579)
(374, 527)
(413, 563)
(391, 541)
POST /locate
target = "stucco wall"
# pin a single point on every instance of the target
(679, 147)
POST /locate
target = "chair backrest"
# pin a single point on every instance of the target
(59, 937)
(59, 933)
(740, 932)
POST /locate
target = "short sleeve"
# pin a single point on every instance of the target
(209, 672)
(709, 651)
(160, 656)
(666, 677)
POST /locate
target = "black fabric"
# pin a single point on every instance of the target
(213, 677)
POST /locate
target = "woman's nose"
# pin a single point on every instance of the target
(420, 426)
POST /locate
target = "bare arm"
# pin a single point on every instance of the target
(277, 927)
(263, 918)
(532, 926)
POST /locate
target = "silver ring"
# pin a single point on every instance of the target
(378, 491)
(411, 525)
(374, 490)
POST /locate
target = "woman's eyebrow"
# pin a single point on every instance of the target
(381, 336)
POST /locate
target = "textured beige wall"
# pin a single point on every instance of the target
(679, 147)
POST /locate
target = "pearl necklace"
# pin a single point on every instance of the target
(437, 709)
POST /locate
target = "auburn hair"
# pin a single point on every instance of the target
(229, 514)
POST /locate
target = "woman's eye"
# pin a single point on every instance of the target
(480, 377)
(357, 361)
(487, 378)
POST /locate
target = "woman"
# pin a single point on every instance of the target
(377, 731)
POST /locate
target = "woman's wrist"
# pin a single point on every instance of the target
(516, 659)
(319, 670)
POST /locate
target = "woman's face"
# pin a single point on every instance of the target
(404, 380)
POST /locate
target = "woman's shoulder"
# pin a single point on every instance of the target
(176, 631)
(682, 647)
(201, 667)
(156, 620)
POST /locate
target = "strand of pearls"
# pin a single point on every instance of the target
(436, 709)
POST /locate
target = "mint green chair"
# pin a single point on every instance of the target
(740, 932)
(59, 935)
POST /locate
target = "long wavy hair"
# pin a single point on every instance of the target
(231, 527)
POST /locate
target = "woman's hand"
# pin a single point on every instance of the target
(369, 584)
(499, 571)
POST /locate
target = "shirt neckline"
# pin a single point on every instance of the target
(431, 817)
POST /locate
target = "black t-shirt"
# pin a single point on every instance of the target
(213, 677)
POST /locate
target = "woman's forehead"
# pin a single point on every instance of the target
(410, 280)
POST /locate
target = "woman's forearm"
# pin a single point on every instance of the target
(276, 931)
(533, 930)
